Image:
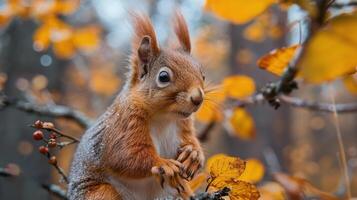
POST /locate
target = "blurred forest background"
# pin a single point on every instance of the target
(75, 54)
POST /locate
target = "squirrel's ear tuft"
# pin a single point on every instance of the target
(145, 47)
(181, 31)
(144, 34)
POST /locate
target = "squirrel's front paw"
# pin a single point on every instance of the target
(192, 160)
(169, 170)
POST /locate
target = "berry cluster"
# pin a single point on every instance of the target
(50, 141)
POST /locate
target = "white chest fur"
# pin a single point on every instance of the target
(166, 140)
(165, 136)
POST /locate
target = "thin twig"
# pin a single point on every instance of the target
(317, 106)
(343, 5)
(212, 196)
(5, 173)
(341, 146)
(55, 190)
(300, 103)
(61, 172)
(76, 140)
(47, 110)
(52, 188)
(203, 136)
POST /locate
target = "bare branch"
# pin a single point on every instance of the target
(300, 103)
(317, 106)
(203, 136)
(51, 188)
(212, 196)
(5, 173)
(47, 110)
(55, 190)
(51, 128)
(344, 5)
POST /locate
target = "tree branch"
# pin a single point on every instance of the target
(323, 107)
(212, 196)
(343, 5)
(55, 190)
(51, 188)
(300, 103)
(203, 136)
(47, 110)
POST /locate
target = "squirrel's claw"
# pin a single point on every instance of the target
(191, 159)
(169, 171)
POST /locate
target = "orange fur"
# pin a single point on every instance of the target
(102, 192)
(147, 133)
(181, 32)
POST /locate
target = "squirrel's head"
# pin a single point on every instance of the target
(170, 80)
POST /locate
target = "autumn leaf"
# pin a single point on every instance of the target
(332, 50)
(277, 60)
(66, 7)
(238, 86)
(272, 191)
(255, 32)
(210, 110)
(5, 16)
(240, 190)
(254, 171)
(66, 39)
(225, 171)
(87, 38)
(242, 124)
(237, 11)
(222, 165)
(64, 49)
(350, 83)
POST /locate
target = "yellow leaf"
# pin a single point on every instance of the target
(87, 38)
(238, 11)
(210, 109)
(66, 7)
(277, 60)
(198, 181)
(41, 37)
(272, 191)
(255, 32)
(104, 81)
(222, 165)
(242, 124)
(332, 50)
(350, 83)
(42, 9)
(5, 16)
(240, 190)
(64, 49)
(238, 86)
(254, 171)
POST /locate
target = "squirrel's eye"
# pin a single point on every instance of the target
(164, 77)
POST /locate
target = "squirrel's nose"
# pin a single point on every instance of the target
(196, 97)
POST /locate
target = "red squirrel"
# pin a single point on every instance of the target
(144, 146)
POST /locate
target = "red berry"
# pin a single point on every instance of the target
(52, 143)
(38, 124)
(37, 135)
(52, 160)
(48, 125)
(43, 150)
(53, 136)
